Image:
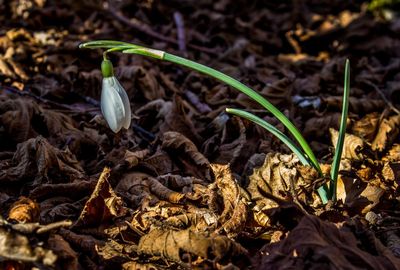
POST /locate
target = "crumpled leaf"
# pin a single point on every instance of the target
(388, 129)
(227, 146)
(143, 80)
(391, 167)
(67, 258)
(39, 161)
(112, 251)
(352, 145)
(366, 127)
(317, 127)
(234, 215)
(186, 246)
(359, 197)
(322, 245)
(133, 158)
(173, 115)
(23, 119)
(24, 210)
(179, 119)
(175, 141)
(279, 180)
(186, 152)
(138, 266)
(103, 204)
(56, 208)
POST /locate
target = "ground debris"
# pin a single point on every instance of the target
(324, 245)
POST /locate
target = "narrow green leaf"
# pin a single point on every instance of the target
(288, 142)
(322, 191)
(342, 132)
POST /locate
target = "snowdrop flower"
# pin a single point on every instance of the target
(114, 100)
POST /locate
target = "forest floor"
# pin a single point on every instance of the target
(188, 186)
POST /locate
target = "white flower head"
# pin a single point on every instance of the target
(114, 100)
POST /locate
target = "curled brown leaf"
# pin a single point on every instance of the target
(186, 245)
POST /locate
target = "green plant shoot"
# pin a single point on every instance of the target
(304, 152)
(342, 132)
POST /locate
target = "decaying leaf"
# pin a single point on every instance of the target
(318, 126)
(67, 258)
(39, 161)
(233, 140)
(163, 192)
(352, 145)
(133, 158)
(178, 119)
(278, 179)
(388, 129)
(234, 215)
(186, 246)
(359, 196)
(323, 245)
(103, 204)
(176, 141)
(366, 127)
(114, 251)
(186, 152)
(24, 210)
(138, 266)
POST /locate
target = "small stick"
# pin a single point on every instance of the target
(180, 26)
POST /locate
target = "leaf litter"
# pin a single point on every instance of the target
(187, 186)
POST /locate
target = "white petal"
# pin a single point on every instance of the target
(127, 106)
(112, 106)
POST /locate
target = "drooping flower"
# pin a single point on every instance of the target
(114, 100)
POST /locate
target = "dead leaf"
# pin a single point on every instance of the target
(186, 152)
(234, 215)
(388, 129)
(359, 197)
(352, 145)
(186, 246)
(326, 246)
(67, 258)
(103, 204)
(39, 161)
(24, 210)
(366, 127)
(278, 180)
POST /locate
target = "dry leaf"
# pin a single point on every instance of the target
(24, 210)
(323, 245)
(352, 145)
(103, 204)
(39, 161)
(388, 129)
(234, 215)
(177, 245)
(366, 127)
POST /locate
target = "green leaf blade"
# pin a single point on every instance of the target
(342, 132)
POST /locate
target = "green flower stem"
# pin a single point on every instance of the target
(342, 132)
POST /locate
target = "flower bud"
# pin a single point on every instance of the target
(114, 100)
